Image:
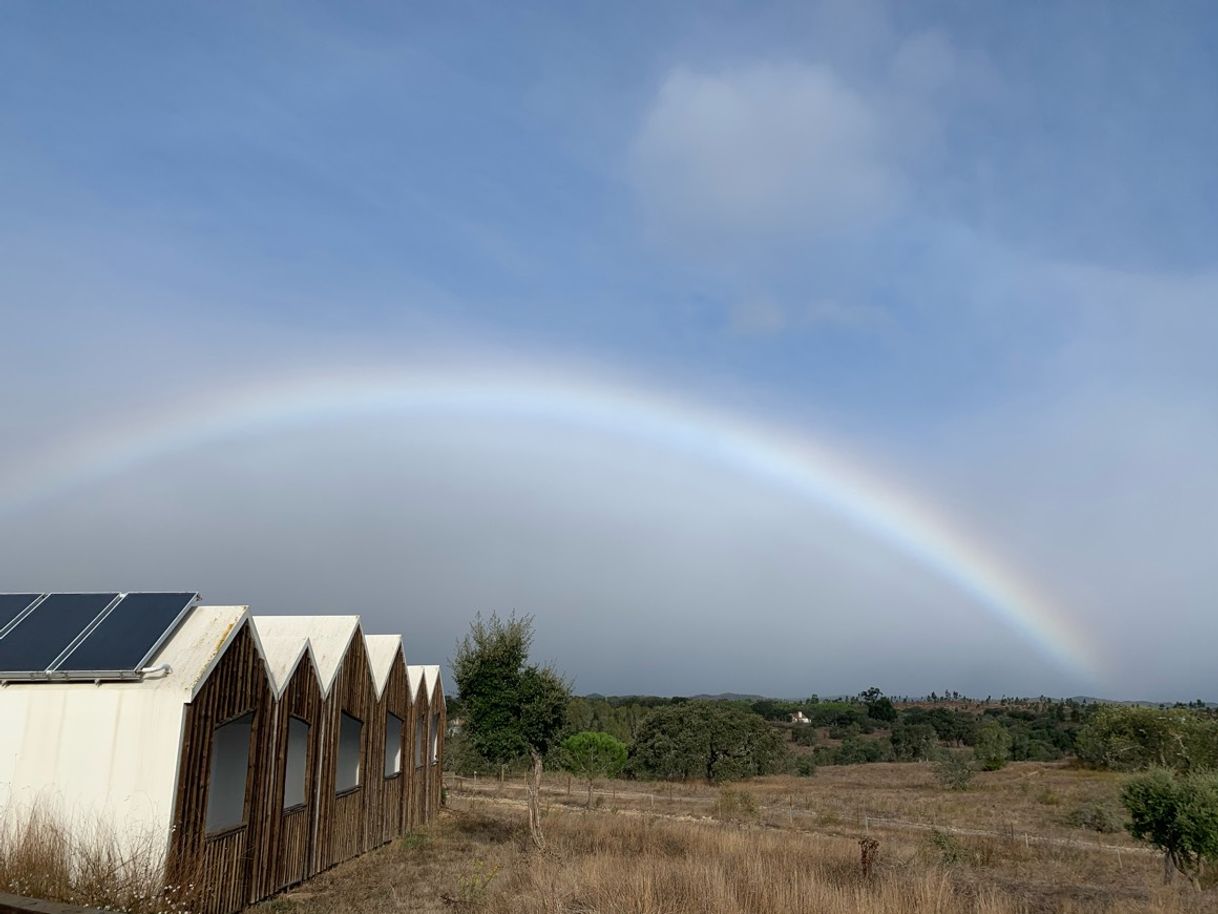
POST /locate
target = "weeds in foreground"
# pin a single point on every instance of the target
(42, 857)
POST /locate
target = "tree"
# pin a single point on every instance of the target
(1130, 738)
(993, 746)
(706, 739)
(590, 755)
(1178, 815)
(913, 742)
(879, 706)
(514, 710)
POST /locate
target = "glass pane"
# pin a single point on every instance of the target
(294, 780)
(230, 755)
(393, 745)
(348, 752)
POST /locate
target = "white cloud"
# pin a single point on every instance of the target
(761, 151)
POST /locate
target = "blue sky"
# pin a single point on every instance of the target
(972, 243)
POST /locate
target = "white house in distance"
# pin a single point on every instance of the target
(245, 753)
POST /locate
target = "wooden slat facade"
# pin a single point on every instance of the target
(419, 717)
(390, 819)
(342, 819)
(284, 856)
(219, 865)
(274, 848)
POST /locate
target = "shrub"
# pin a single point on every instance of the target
(1178, 815)
(954, 770)
(1100, 817)
(993, 746)
(735, 806)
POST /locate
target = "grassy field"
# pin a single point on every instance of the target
(773, 845)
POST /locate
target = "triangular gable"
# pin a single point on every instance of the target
(197, 646)
(383, 651)
(435, 684)
(286, 646)
(415, 682)
(329, 639)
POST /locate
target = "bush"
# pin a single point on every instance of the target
(735, 806)
(1100, 817)
(993, 746)
(706, 739)
(1178, 815)
(805, 766)
(954, 771)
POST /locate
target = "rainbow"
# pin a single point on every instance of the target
(789, 462)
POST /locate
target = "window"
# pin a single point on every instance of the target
(294, 780)
(350, 730)
(230, 757)
(420, 737)
(435, 737)
(393, 744)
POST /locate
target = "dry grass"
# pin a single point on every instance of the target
(476, 859)
(43, 858)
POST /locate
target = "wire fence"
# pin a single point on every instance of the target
(776, 815)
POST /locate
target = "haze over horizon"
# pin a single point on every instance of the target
(779, 349)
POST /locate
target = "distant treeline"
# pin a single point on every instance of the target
(872, 727)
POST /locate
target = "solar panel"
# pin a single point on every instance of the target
(130, 633)
(12, 605)
(40, 637)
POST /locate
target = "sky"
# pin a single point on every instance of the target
(765, 348)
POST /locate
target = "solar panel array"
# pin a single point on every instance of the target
(85, 635)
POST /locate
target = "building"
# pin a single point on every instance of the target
(251, 752)
(799, 717)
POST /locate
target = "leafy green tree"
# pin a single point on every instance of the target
(1130, 738)
(993, 747)
(1178, 815)
(706, 739)
(879, 706)
(590, 755)
(514, 709)
(913, 742)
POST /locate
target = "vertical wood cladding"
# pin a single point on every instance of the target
(394, 700)
(282, 857)
(435, 762)
(275, 847)
(220, 865)
(420, 714)
(342, 820)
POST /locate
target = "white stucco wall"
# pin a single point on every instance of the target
(92, 756)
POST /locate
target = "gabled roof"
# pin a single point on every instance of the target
(431, 676)
(285, 646)
(328, 636)
(383, 650)
(414, 676)
(197, 646)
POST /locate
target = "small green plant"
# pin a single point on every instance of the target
(949, 848)
(735, 806)
(472, 887)
(1048, 798)
(954, 771)
(414, 841)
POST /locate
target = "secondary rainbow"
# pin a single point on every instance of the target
(704, 434)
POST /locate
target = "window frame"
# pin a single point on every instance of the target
(389, 776)
(359, 768)
(285, 808)
(210, 832)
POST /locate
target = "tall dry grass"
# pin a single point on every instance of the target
(43, 857)
(634, 865)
